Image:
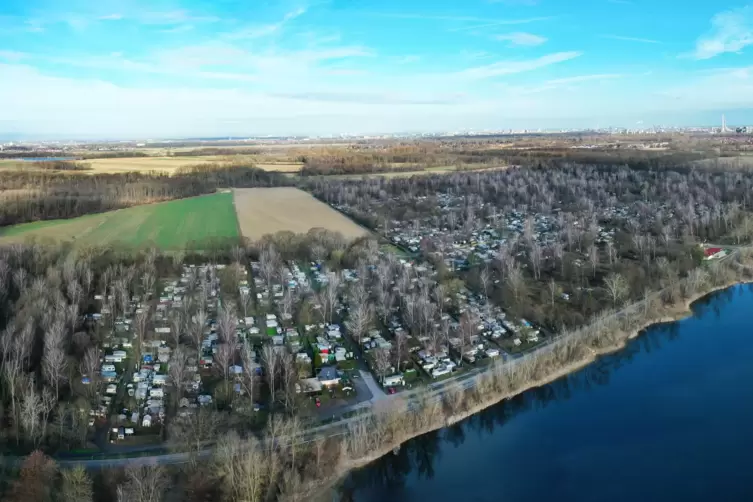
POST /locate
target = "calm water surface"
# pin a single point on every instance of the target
(670, 418)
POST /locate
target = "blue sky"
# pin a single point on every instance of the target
(170, 68)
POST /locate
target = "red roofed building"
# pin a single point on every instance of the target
(711, 253)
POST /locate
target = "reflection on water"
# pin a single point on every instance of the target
(568, 439)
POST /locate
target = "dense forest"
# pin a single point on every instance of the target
(598, 235)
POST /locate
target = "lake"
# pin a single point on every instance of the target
(670, 417)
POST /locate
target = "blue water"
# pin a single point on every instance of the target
(44, 159)
(669, 418)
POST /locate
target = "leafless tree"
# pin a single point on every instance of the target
(31, 411)
(175, 318)
(617, 287)
(381, 359)
(147, 283)
(516, 282)
(249, 370)
(289, 379)
(197, 330)
(227, 323)
(19, 279)
(243, 468)
(76, 486)
(246, 300)
(554, 291)
(536, 256)
(178, 370)
(593, 258)
(144, 483)
(328, 296)
(89, 367)
(269, 262)
(467, 330)
(399, 348)
(54, 361)
(359, 321)
(271, 359)
(440, 295)
(225, 358)
(286, 305)
(484, 279)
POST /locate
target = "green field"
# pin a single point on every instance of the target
(185, 223)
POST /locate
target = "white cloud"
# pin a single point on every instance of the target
(731, 31)
(511, 67)
(520, 38)
(631, 39)
(34, 103)
(500, 22)
(266, 29)
(408, 59)
(584, 78)
(181, 28)
(12, 56)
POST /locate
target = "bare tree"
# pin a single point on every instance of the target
(268, 262)
(147, 283)
(243, 467)
(178, 370)
(554, 291)
(249, 370)
(272, 363)
(381, 360)
(360, 319)
(593, 258)
(617, 287)
(484, 279)
(89, 367)
(54, 362)
(76, 486)
(197, 330)
(176, 326)
(440, 295)
(227, 323)
(328, 296)
(289, 378)
(246, 300)
(225, 358)
(31, 412)
(286, 305)
(144, 483)
(35, 480)
(399, 348)
(516, 282)
(535, 255)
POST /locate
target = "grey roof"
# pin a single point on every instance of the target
(327, 373)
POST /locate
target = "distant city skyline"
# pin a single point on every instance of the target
(187, 68)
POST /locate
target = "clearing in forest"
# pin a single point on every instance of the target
(263, 211)
(185, 223)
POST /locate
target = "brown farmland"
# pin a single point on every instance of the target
(263, 211)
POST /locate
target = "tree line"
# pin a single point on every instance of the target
(33, 195)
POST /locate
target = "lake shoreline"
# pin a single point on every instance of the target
(670, 314)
